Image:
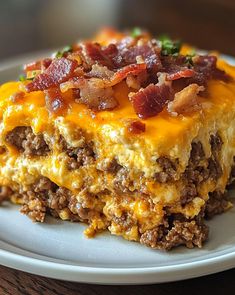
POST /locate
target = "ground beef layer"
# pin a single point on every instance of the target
(45, 197)
(108, 209)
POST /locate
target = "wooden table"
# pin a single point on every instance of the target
(13, 282)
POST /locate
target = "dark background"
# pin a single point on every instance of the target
(30, 25)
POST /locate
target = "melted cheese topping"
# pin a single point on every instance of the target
(165, 134)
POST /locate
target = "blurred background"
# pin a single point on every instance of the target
(32, 25)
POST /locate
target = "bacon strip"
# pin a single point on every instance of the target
(33, 66)
(54, 101)
(38, 65)
(148, 53)
(59, 71)
(95, 96)
(92, 69)
(109, 78)
(121, 74)
(136, 127)
(205, 68)
(186, 100)
(184, 73)
(93, 52)
(150, 101)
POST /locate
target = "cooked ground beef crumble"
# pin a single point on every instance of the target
(188, 233)
(23, 139)
(46, 197)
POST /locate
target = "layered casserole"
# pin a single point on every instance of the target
(123, 132)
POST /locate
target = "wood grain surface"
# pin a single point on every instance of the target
(13, 282)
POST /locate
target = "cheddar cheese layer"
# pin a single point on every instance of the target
(124, 132)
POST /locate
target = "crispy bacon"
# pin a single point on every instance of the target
(111, 51)
(183, 73)
(150, 101)
(76, 93)
(54, 101)
(59, 71)
(123, 54)
(17, 97)
(40, 82)
(46, 63)
(176, 67)
(125, 43)
(95, 96)
(205, 63)
(186, 100)
(121, 74)
(33, 66)
(149, 54)
(92, 69)
(205, 68)
(103, 77)
(136, 127)
(93, 52)
(99, 71)
(38, 65)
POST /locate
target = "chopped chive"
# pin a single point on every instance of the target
(22, 78)
(67, 48)
(32, 75)
(136, 32)
(169, 47)
(189, 57)
(61, 53)
(163, 37)
(58, 54)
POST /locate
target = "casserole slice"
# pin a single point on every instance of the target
(124, 132)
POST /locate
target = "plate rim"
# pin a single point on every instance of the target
(109, 275)
(122, 276)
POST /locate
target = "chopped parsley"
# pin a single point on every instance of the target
(169, 47)
(61, 53)
(136, 32)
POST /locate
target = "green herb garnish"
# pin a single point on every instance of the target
(189, 57)
(61, 53)
(32, 74)
(136, 32)
(169, 47)
(29, 76)
(22, 78)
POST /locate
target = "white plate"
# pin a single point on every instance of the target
(59, 249)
